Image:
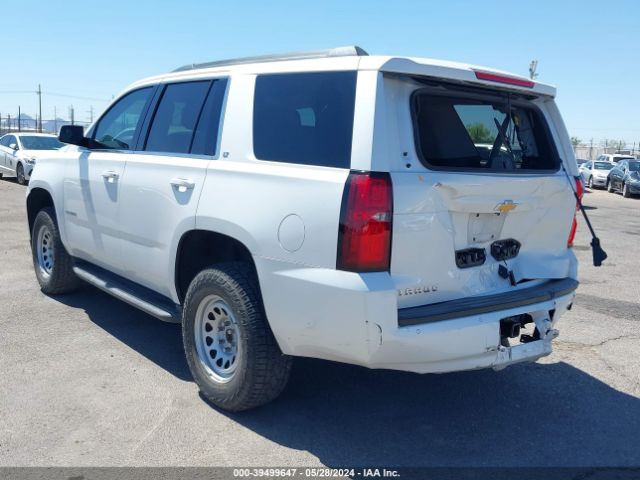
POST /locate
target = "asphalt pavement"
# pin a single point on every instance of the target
(86, 380)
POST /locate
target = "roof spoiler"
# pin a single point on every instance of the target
(348, 51)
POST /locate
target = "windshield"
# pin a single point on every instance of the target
(603, 166)
(40, 143)
(634, 166)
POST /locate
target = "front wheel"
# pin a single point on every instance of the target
(625, 190)
(590, 185)
(20, 175)
(609, 186)
(52, 264)
(231, 351)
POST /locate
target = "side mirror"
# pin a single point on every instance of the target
(13, 146)
(73, 134)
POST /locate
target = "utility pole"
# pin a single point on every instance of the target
(39, 92)
(71, 114)
(90, 112)
(591, 149)
(9, 123)
(19, 118)
(533, 66)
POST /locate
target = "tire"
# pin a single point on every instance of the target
(625, 191)
(590, 184)
(242, 366)
(20, 174)
(51, 262)
(609, 186)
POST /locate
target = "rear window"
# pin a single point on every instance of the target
(479, 131)
(603, 165)
(304, 118)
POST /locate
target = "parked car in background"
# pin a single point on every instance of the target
(625, 178)
(614, 157)
(20, 151)
(581, 161)
(595, 173)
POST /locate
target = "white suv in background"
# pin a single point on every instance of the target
(614, 158)
(390, 212)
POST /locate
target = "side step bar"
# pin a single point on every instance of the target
(136, 296)
(465, 307)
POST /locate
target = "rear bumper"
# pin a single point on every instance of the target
(599, 181)
(354, 318)
(466, 307)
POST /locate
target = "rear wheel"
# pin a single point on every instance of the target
(231, 351)
(625, 190)
(52, 264)
(20, 174)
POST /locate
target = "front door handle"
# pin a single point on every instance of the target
(182, 184)
(110, 176)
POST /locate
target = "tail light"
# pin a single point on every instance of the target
(574, 225)
(364, 238)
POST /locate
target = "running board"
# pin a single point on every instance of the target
(136, 296)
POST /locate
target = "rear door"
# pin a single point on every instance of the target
(10, 154)
(164, 178)
(4, 148)
(481, 204)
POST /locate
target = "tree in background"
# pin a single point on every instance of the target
(479, 133)
(575, 141)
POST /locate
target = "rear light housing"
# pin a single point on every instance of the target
(364, 237)
(574, 224)
(498, 78)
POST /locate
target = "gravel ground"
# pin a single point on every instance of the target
(86, 380)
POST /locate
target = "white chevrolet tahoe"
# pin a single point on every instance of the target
(389, 212)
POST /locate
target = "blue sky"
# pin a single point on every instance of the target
(91, 50)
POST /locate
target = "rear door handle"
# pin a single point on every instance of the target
(182, 184)
(110, 175)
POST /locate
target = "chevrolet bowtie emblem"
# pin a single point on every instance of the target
(506, 206)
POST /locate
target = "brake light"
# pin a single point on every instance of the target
(494, 77)
(574, 225)
(364, 238)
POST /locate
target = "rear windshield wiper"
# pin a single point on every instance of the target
(503, 138)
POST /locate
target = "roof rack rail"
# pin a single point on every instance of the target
(330, 52)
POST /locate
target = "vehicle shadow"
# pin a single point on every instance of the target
(526, 415)
(158, 341)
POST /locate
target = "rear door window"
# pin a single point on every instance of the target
(176, 117)
(205, 139)
(473, 130)
(304, 118)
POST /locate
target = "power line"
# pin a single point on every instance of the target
(54, 94)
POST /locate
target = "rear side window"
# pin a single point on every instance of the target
(176, 117)
(476, 131)
(305, 118)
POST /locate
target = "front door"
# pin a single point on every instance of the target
(92, 187)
